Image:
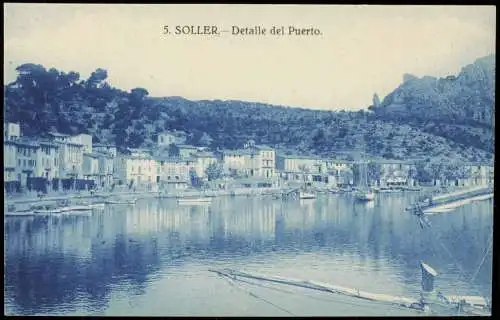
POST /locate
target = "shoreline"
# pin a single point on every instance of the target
(177, 194)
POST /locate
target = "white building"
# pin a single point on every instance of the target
(172, 172)
(11, 133)
(137, 170)
(235, 160)
(26, 159)
(47, 160)
(90, 167)
(252, 161)
(10, 161)
(202, 161)
(106, 169)
(70, 160)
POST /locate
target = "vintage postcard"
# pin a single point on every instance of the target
(248, 160)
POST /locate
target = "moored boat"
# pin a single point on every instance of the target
(306, 195)
(20, 213)
(120, 201)
(47, 210)
(201, 200)
(365, 195)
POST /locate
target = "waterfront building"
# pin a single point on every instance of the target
(480, 173)
(203, 160)
(11, 133)
(47, 160)
(70, 159)
(302, 168)
(251, 161)
(106, 168)
(234, 161)
(395, 173)
(172, 172)
(26, 159)
(90, 167)
(136, 170)
(10, 173)
(267, 157)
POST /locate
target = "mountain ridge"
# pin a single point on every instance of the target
(396, 127)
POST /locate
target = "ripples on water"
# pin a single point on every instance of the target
(153, 259)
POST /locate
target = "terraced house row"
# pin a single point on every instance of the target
(62, 161)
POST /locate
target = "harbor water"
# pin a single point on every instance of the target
(153, 258)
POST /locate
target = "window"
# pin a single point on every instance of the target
(19, 162)
(24, 162)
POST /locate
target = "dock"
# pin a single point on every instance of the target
(449, 201)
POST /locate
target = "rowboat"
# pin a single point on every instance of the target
(120, 201)
(429, 301)
(306, 195)
(21, 213)
(75, 208)
(202, 200)
(47, 211)
(100, 205)
(365, 195)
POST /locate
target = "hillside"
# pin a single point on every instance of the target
(459, 108)
(43, 100)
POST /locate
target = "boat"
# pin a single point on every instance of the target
(412, 189)
(75, 208)
(99, 205)
(447, 202)
(365, 195)
(20, 213)
(430, 300)
(47, 210)
(364, 192)
(120, 201)
(306, 195)
(385, 190)
(201, 200)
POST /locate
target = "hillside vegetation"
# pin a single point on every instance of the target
(441, 118)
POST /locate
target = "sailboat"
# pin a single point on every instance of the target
(364, 193)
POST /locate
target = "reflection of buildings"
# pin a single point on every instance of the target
(253, 221)
(64, 236)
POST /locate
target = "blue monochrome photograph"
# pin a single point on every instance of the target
(233, 160)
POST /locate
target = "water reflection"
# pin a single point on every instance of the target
(75, 262)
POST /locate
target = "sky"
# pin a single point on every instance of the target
(362, 50)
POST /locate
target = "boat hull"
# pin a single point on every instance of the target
(365, 196)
